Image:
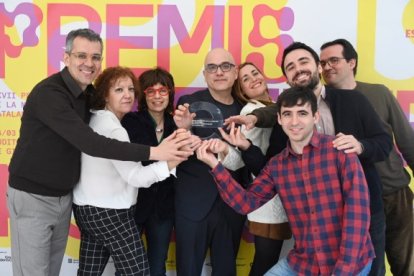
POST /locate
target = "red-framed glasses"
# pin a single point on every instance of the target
(150, 91)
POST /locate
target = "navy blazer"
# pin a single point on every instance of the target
(195, 189)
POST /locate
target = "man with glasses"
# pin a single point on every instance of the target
(203, 220)
(45, 165)
(350, 117)
(339, 62)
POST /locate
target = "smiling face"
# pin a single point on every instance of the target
(120, 98)
(298, 123)
(301, 69)
(340, 74)
(252, 83)
(84, 71)
(220, 82)
(157, 103)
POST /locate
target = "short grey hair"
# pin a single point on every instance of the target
(85, 33)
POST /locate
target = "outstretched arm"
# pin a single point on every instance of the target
(248, 120)
(242, 201)
(172, 148)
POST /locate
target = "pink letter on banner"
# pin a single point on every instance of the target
(235, 32)
(4, 215)
(115, 41)
(284, 18)
(169, 17)
(406, 99)
(29, 34)
(56, 41)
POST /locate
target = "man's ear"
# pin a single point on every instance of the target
(352, 63)
(316, 117)
(66, 58)
(279, 119)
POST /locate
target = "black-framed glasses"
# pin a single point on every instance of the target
(224, 67)
(150, 91)
(332, 61)
(84, 57)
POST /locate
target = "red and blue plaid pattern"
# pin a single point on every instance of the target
(326, 199)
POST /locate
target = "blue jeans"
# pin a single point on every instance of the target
(282, 268)
(157, 235)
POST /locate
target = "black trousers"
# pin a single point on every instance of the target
(220, 231)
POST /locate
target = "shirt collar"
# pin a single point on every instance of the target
(72, 85)
(323, 94)
(314, 142)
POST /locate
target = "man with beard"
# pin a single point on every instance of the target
(344, 113)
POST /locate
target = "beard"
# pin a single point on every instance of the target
(311, 83)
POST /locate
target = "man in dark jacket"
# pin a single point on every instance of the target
(202, 218)
(346, 114)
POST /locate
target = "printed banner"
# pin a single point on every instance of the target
(177, 35)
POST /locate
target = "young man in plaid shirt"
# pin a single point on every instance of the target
(323, 190)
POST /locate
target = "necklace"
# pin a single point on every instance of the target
(159, 127)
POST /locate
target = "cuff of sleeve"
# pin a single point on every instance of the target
(217, 169)
(162, 169)
(174, 172)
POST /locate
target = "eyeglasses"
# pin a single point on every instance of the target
(332, 61)
(84, 57)
(224, 67)
(150, 91)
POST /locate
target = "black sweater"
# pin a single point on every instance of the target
(54, 130)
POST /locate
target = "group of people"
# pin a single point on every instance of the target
(319, 165)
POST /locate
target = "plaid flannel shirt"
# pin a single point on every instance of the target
(326, 199)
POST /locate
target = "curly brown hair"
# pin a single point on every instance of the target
(106, 80)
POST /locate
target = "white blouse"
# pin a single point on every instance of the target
(108, 183)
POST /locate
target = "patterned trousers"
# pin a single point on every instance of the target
(109, 232)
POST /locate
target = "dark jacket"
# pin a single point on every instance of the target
(157, 199)
(195, 189)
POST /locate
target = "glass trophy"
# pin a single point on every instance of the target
(207, 116)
